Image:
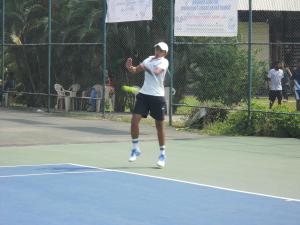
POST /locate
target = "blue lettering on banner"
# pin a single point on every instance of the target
(197, 2)
(206, 7)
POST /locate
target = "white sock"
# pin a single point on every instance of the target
(163, 150)
(135, 143)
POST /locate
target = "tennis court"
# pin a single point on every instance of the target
(61, 170)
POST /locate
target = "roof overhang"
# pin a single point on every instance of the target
(270, 5)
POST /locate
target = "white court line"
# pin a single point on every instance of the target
(193, 183)
(46, 174)
(143, 175)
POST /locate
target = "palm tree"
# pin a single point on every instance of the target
(26, 22)
(78, 21)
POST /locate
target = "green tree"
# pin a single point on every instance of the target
(26, 23)
(220, 74)
(77, 22)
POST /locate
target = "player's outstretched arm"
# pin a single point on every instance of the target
(133, 69)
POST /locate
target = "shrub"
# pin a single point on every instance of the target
(220, 74)
(210, 113)
(277, 123)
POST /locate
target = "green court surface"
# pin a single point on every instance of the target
(267, 166)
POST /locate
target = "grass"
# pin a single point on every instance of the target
(291, 104)
(188, 100)
(262, 101)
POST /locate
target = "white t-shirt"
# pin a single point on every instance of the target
(276, 77)
(154, 84)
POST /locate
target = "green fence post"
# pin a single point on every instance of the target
(250, 71)
(3, 42)
(104, 55)
(171, 59)
(49, 51)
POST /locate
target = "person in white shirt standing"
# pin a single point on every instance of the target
(150, 99)
(274, 77)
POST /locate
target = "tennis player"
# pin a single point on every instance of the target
(150, 99)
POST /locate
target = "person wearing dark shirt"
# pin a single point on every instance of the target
(296, 79)
(285, 82)
(9, 82)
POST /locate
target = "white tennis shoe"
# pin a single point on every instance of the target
(161, 163)
(134, 154)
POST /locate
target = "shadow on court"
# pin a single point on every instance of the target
(24, 128)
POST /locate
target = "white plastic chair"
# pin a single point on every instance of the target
(73, 90)
(63, 96)
(167, 96)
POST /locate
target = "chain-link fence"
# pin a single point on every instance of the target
(214, 72)
(53, 54)
(66, 56)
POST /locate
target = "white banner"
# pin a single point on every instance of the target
(128, 10)
(207, 18)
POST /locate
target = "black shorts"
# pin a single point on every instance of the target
(155, 105)
(275, 94)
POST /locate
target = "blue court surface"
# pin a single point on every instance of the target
(67, 194)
